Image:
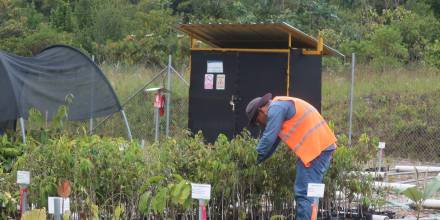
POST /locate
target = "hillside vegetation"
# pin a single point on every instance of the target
(385, 33)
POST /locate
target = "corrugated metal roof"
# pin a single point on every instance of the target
(253, 36)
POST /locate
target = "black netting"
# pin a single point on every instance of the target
(59, 75)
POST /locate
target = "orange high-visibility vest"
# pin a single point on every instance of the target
(306, 133)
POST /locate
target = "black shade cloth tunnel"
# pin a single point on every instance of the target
(58, 75)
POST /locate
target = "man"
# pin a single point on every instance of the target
(302, 128)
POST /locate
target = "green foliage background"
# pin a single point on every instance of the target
(384, 33)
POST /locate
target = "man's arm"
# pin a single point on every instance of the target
(269, 140)
(262, 157)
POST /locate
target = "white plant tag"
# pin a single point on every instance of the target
(315, 190)
(23, 177)
(200, 191)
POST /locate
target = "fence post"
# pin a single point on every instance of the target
(126, 125)
(23, 130)
(167, 130)
(156, 124)
(57, 209)
(353, 62)
(91, 110)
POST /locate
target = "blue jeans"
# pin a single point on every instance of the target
(304, 176)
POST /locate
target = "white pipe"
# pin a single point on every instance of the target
(431, 204)
(399, 186)
(418, 168)
(380, 217)
(401, 173)
(414, 218)
(367, 173)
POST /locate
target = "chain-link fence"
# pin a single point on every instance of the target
(397, 106)
(140, 110)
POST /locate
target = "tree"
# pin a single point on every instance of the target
(61, 17)
(109, 25)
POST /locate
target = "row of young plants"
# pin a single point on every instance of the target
(114, 177)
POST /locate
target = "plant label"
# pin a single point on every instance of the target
(315, 190)
(63, 203)
(209, 81)
(23, 177)
(215, 66)
(220, 82)
(381, 145)
(201, 191)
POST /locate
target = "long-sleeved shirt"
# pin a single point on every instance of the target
(278, 112)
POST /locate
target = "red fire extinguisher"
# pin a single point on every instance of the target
(159, 102)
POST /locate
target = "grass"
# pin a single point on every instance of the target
(398, 107)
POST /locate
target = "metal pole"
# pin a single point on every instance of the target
(91, 110)
(156, 121)
(202, 209)
(126, 125)
(353, 62)
(90, 126)
(379, 168)
(57, 209)
(23, 130)
(24, 199)
(167, 131)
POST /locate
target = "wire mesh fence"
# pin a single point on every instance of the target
(397, 107)
(140, 110)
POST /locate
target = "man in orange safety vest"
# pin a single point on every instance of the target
(299, 125)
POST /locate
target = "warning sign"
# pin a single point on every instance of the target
(220, 82)
(209, 81)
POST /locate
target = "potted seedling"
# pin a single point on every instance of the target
(418, 196)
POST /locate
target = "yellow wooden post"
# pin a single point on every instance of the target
(319, 47)
(191, 46)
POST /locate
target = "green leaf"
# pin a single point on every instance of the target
(413, 194)
(145, 202)
(151, 181)
(159, 201)
(178, 177)
(185, 194)
(431, 188)
(175, 191)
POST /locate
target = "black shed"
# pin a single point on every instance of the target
(242, 61)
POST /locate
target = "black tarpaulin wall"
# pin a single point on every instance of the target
(306, 77)
(59, 75)
(208, 109)
(247, 75)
